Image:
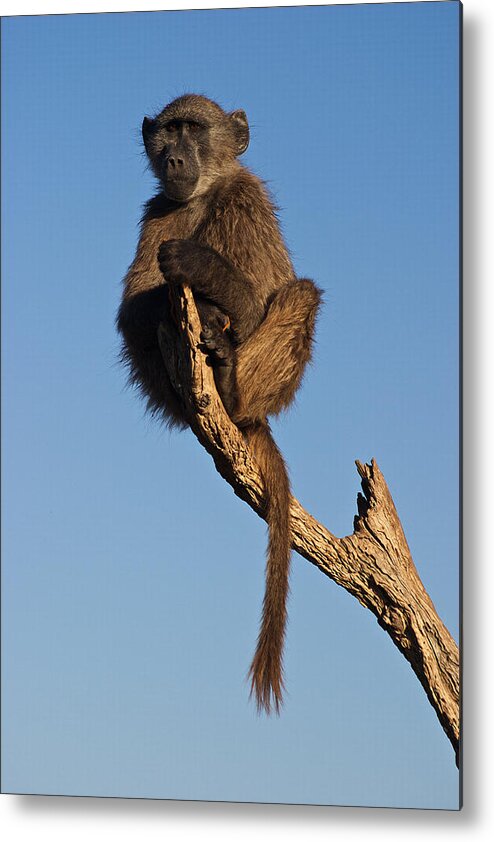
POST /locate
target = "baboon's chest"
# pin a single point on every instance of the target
(181, 224)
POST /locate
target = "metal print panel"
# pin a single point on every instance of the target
(279, 190)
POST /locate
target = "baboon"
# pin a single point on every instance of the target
(213, 227)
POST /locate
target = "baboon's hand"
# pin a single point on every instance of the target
(217, 346)
(211, 316)
(176, 261)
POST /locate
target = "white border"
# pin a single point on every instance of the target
(77, 819)
(31, 7)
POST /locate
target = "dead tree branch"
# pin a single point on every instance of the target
(373, 564)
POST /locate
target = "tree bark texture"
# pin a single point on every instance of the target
(373, 564)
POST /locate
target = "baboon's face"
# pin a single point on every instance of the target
(192, 143)
(181, 156)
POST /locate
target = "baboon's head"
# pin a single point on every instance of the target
(192, 143)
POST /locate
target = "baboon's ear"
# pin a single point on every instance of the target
(148, 126)
(239, 120)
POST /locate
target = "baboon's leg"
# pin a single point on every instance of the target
(270, 364)
(215, 341)
(139, 318)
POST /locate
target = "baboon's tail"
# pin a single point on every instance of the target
(266, 671)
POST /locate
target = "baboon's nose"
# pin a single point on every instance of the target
(175, 163)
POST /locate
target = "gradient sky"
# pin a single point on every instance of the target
(132, 576)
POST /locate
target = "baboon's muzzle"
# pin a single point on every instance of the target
(180, 176)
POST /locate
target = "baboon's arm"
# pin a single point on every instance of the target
(210, 274)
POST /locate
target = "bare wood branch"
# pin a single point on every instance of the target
(373, 564)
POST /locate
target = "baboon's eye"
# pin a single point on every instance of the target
(193, 127)
(171, 127)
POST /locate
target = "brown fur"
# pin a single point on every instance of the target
(224, 241)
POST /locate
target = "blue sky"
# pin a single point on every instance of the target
(132, 576)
